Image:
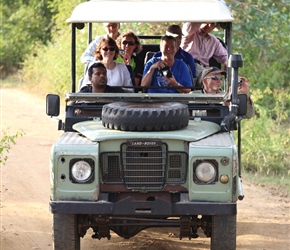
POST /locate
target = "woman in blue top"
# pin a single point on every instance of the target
(154, 76)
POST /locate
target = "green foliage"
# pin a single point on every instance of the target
(6, 143)
(261, 35)
(21, 28)
(266, 137)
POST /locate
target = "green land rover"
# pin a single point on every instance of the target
(130, 161)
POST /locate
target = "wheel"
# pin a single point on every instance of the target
(65, 234)
(128, 116)
(223, 235)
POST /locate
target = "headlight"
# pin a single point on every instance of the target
(81, 171)
(205, 172)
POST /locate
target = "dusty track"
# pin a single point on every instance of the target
(26, 223)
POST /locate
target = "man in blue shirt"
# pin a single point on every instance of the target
(167, 74)
(175, 31)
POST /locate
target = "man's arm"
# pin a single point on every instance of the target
(250, 108)
(147, 78)
(189, 28)
(188, 31)
(88, 56)
(220, 53)
(244, 89)
(182, 79)
(148, 72)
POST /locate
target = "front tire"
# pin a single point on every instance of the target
(223, 235)
(65, 234)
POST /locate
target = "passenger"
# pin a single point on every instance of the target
(98, 77)
(178, 76)
(129, 45)
(202, 45)
(175, 31)
(117, 73)
(212, 83)
(112, 30)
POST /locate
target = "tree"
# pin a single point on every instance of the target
(22, 29)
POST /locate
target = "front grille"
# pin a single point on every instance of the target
(144, 167)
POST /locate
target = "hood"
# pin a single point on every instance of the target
(196, 130)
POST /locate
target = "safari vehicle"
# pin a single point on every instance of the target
(130, 161)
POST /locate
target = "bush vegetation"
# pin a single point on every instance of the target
(6, 142)
(261, 34)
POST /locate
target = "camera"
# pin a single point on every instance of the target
(166, 72)
(240, 81)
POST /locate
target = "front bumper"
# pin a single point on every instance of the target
(130, 207)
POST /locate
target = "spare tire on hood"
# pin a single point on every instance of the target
(159, 116)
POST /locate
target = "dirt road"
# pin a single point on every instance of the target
(26, 223)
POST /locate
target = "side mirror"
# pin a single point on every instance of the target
(52, 105)
(242, 109)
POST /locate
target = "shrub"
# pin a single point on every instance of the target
(6, 143)
(266, 140)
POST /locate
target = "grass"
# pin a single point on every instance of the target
(12, 81)
(280, 185)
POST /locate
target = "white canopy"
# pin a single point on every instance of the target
(124, 11)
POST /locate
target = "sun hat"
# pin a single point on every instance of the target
(206, 71)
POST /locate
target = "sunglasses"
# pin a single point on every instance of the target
(215, 78)
(128, 43)
(106, 49)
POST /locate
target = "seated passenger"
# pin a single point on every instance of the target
(178, 74)
(212, 82)
(112, 30)
(175, 31)
(202, 45)
(117, 73)
(98, 77)
(129, 45)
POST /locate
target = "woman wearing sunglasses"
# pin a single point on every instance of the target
(118, 75)
(129, 45)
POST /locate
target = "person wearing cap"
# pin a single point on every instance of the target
(212, 83)
(112, 30)
(174, 78)
(175, 31)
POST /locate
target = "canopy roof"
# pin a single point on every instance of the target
(125, 11)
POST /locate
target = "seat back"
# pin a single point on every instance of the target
(132, 75)
(148, 56)
(147, 47)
